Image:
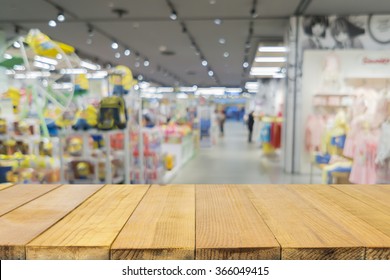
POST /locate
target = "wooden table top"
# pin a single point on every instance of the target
(195, 222)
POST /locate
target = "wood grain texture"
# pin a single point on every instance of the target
(88, 231)
(371, 213)
(23, 224)
(5, 185)
(308, 226)
(162, 226)
(377, 196)
(229, 227)
(12, 198)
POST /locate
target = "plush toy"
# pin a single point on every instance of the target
(44, 46)
(86, 119)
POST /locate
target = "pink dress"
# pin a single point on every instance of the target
(364, 167)
(315, 127)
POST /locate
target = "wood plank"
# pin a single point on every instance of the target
(23, 224)
(379, 218)
(229, 227)
(12, 198)
(308, 226)
(5, 185)
(378, 196)
(89, 231)
(162, 227)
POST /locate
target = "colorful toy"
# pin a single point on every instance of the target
(3, 126)
(86, 119)
(44, 46)
(81, 86)
(112, 113)
(13, 94)
(122, 80)
(75, 146)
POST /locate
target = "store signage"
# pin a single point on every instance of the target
(382, 60)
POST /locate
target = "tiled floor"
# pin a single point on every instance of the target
(235, 161)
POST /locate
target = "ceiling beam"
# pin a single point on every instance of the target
(302, 7)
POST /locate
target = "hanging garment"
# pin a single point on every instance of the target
(276, 134)
(364, 167)
(315, 127)
(384, 144)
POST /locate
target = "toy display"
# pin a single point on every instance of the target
(3, 126)
(75, 146)
(122, 80)
(44, 46)
(112, 113)
(86, 119)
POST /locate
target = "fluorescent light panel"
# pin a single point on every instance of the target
(89, 65)
(45, 60)
(74, 71)
(270, 59)
(272, 49)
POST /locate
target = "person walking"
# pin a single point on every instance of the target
(221, 116)
(250, 122)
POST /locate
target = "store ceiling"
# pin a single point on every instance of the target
(147, 29)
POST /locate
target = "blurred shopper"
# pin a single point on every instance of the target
(250, 123)
(221, 117)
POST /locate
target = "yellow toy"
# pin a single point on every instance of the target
(81, 84)
(86, 119)
(82, 170)
(13, 94)
(44, 46)
(75, 146)
(3, 126)
(122, 80)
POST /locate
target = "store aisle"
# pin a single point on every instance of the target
(235, 161)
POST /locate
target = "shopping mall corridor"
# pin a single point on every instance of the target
(235, 161)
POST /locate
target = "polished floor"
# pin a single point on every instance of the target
(235, 161)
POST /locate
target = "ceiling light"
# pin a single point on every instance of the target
(52, 23)
(146, 63)
(75, 71)
(218, 21)
(114, 45)
(41, 65)
(59, 56)
(279, 76)
(127, 52)
(173, 15)
(97, 75)
(211, 73)
(194, 87)
(270, 59)
(16, 44)
(225, 54)
(222, 41)
(265, 69)
(45, 60)
(19, 68)
(7, 56)
(272, 49)
(245, 64)
(140, 77)
(204, 63)
(88, 65)
(136, 87)
(117, 55)
(61, 17)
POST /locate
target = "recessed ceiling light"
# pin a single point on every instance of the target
(225, 54)
(114, 45)
(218, 21)
(127, 52)
(16, 44)
(211, 73)
(173, 15)
(61, 17)
(204, 63)
(140, 77)
(59, 56)
(245, 64)
(136, 87)
(146, 63)
(52, 23)
(222, 41)
(117, 55)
